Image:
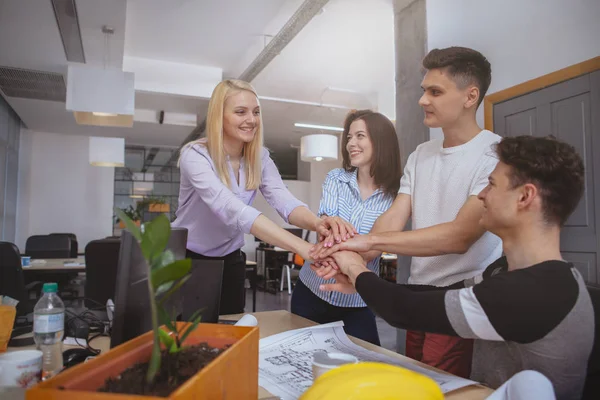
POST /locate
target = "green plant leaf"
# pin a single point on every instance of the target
(163, 259)
(170, 273)
(172, 289)
(165, 319)
(155, 237)
(154, 364)
(195, 320)
(129, 224)
(168, 341)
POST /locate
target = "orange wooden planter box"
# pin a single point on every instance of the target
(156, 207)
(232, 375)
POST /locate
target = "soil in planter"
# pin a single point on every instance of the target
(175, 369)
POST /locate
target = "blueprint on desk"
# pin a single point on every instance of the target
(285, 360)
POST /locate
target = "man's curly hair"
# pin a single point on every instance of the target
(553, 166)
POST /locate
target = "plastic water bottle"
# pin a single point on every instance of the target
(48, 329)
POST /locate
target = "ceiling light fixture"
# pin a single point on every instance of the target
(101, 96)
(107, 152)
(103, 114)
(319, 147)
(322, 127)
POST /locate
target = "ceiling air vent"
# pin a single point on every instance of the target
(28, 84)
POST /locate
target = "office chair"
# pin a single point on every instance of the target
(101, 263)
(203, 290)
(286, 270)
(74, 245)
(12, 281)
(46, 246)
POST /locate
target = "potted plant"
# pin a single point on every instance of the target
(131, 213)
(176, 360)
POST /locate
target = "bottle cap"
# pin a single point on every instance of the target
(50, 287)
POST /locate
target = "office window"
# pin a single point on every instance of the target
(148, 185)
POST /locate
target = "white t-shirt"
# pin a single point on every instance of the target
(439, 181)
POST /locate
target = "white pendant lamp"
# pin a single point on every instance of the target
(319, 147)
(143, 183)
(107, 152)
(101, 96)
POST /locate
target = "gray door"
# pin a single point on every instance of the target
(570, 111)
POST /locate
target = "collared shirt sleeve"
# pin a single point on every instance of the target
(274, 190)
(406, 183)
(225, 205)
(329, 198)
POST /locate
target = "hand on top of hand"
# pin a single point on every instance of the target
(331, 230)
(358, 243)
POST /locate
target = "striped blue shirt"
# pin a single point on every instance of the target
(341, 198)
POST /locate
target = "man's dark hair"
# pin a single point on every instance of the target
(554, 167)
(386, 168)
(466, 66)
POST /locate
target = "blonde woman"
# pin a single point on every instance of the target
(220, 175)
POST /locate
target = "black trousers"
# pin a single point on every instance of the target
(233, 292)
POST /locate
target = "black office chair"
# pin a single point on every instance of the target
(12, 281)
(46, 246)
(592, 381)
(101, 262)
(74, 244)
(203, 290)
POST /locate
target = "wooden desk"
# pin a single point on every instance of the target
(272, 322)
(57, 265)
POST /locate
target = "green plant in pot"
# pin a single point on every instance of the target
(178, 360)
(166, 276)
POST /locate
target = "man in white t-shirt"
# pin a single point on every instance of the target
(439, 189)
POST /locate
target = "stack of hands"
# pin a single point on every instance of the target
(341, 254)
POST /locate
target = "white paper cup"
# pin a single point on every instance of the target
(247, 320)
(323, 362)
(20, 368)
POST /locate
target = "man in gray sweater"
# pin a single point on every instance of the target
(529, 310)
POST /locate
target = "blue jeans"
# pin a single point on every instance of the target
(358, 321)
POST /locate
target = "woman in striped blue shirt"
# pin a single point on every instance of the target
(359, 192)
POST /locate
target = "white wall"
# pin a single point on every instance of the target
(59, 191)
(522, 39)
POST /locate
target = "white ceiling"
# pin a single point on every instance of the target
(344, 56)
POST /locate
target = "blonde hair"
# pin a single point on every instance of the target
(214, 136)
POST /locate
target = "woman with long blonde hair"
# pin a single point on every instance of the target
(220, 176)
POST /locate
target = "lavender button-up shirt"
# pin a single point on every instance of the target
(216, 216)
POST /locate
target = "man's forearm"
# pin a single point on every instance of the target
(404, 308)
(433, 241)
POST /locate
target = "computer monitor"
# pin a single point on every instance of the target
(132, 315)
(203, 290)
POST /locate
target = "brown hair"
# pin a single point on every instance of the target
(386, 167)
(554, 167)
(466, 66)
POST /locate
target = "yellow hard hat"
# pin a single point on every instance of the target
(373, 381)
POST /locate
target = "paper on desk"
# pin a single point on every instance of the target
(73, 264)
(285, 360)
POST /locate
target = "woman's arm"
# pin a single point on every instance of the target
(294, 211)
(267, 231)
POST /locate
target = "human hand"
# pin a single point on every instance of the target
(334, 230)
(359, 244)
(342, 284)
(325, 269)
